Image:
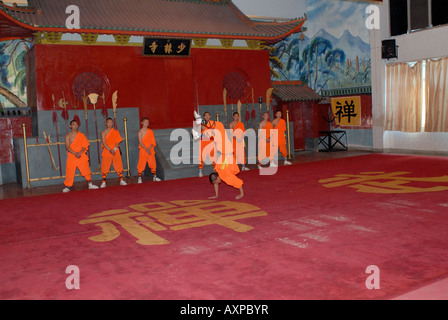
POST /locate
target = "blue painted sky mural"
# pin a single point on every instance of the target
(333, 53)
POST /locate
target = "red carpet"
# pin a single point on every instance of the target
(303, 233)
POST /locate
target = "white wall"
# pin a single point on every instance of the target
(432, 43)
(279, 8)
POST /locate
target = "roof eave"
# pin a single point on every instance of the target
(296, 26)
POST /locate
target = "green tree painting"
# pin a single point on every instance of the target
(13, 73)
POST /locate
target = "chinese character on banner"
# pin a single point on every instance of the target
(158, 47)
(346, 111)
(168, 48)
(181, 47)
(153, 47)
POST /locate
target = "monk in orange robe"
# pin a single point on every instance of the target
(77, 145)
(206, 145)
(280, 124)
(111, 138)
(146, 145)
(265, 134)
(225, 168)
(238, 128)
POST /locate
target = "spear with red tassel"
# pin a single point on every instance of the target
(268, 98)
(76, 117)
(104, 109)
(55, 121)
(253, 107)
(63, 105)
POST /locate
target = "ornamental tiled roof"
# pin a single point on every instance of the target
(294, 91)
(219, 19)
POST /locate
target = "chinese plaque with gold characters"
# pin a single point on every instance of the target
(146, 222)
(387, 182)
(166, 47)
(346, 110)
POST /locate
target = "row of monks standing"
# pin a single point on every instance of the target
(269, 142)
(77, 147)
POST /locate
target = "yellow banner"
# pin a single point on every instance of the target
(346, 110)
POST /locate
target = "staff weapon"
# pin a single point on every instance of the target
(55, 121)
(114, 106)
(268, 98)
(47, 139)
(260, 102)
(253, 114)
(84, 100)
(37, 150)
(224, 97)
(239, 108)
(253, 107)
(289, 138)
(93, 97)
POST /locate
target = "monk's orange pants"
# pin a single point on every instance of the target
(145, 158)
(264, 151)
(239, 155)
(283, 150)
(70, 169)
(207, 149)
(107, 161)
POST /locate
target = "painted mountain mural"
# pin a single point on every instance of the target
(321, 59)
(324, 61)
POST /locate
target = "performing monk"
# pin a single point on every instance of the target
(111, 154)
(265, 135)
(239, 155)
(146, 144)
(206, 144)
(280, 124)
(77, 145)
(225, 168)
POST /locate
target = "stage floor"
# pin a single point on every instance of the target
(14, 190)
(303, 233)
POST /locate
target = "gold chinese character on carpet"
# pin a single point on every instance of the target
(382, 182)
(142, 221)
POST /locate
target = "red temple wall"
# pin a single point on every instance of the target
(166, 90)
(11, 128)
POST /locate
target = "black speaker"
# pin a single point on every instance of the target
(389, 49)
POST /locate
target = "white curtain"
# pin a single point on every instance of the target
(436, 95)
(404, 97)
